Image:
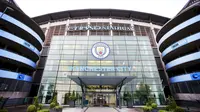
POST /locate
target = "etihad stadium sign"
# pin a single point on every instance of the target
(122, 28)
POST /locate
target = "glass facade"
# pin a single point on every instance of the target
(75, 51)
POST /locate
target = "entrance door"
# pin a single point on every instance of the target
(99, 99)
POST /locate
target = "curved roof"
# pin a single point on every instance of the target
(18, 14)
(126, 14)
(182, 16)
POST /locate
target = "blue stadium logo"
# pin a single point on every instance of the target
(196, 76)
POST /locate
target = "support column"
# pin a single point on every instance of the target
(118, 91)
(83, 92)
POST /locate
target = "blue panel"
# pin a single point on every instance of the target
(180, 43)
(179, 27)
(21, 25)
(185, 77)
(19, 41)
(14, 75)
(184, 59)
(13, 56)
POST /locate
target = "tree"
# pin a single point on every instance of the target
(143, 93)
(127, 97)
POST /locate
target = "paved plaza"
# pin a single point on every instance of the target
(99, 109)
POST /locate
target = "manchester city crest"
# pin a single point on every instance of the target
(100, 50)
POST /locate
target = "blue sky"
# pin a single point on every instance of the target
(166, 8)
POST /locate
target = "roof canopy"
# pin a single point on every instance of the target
(109, 13)
(101, 80)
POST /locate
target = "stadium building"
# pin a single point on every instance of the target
(101, 54)
(178, 42)
(21, 41)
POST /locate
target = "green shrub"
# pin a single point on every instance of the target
(162, 111)
(154, 105)
(40, 106)
(36, 102)
(52, 105)
(3, 110)
(178, 109)
(31, 108)
(171, 104)
(43, 110)
(58, 107)
(147, 108)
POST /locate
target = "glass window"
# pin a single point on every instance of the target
(68, 52)
(137, 68)
(57, 42)
(134, 57)
(66, 57)
(66, 62)
(81, 51)
(49, 74)
(132, 48)
(122, 63)
(148, 62)
(79, 73)
(143, 38)
(145, 52)
(51, 68)
(106, 38)
(130, 38)
(107, 62)
(134, 63)
(68, 46)
(81, 46)
(109, 43)
(144, 43)
(70, 38)
(151, 74)
(94, 62)
(55, 47)
(81, 42)
(78, 62)
(69, 42)
(92, 42)
(120, 52)
(120, 57)
(153, 81)
(117, 47)
(64, 74)
(122, 74)
(82, 38)
(65, 68)
(150, 68)
(94, 37)
(119, 42)
(52, 62)
(80, 57)
(54, 51)
(147, 58)
(63, 81)
(131, 43)
(118, 38)
(48, 80)
(62, 87)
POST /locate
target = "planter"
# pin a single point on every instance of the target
(55, 110)
(154, 110)
(129, 104)
(71, 103)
